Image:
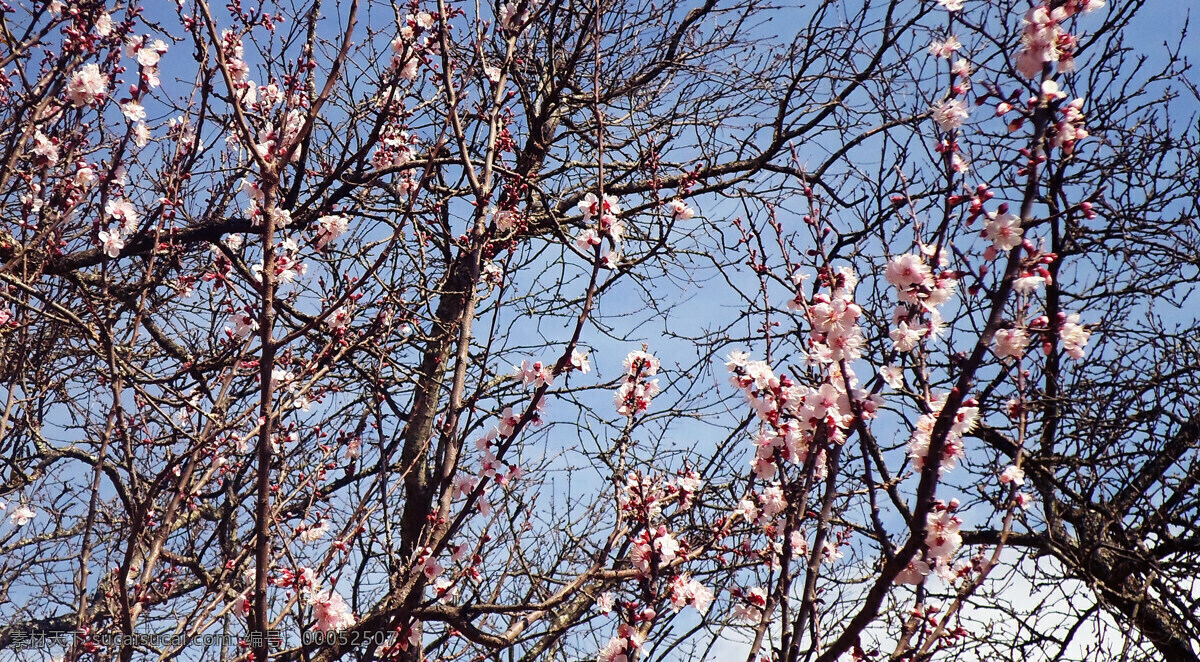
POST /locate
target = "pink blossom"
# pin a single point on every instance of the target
(750, 610)
(1004, 230)
(1051, 91)
(87, 86)
(648, 548)
(904, 338)
(831, 551)
(681, 211)
(45, 149)
(122, 210)
(611, 226)
(463, 485)
(688, 485)
(950, 114)
(112, 242)
(773, 501)
(959, 163)
(141, 135)
(104, 24)
(315, 532)
(579, 361)
(686, 591)
(944, 49)
(892, 376)
(904, 271)
(747, 509)
(941, 534)
(1074, 336)
(641, 363)
(587, 239)
(614, 650)
(1014, 475)
(506, 219)
(329, 228)
(965, 420)
(914, 573)
(21, 515)
(1043, 41)
(133, 111)
(591, 207)
(489, 465)
(666, 546)
(432, 569)
(1011, 342)
(244, 324)
(513, 15)
(460, 552)
(535, 373)
(1028, 284)
(149, 56)
(331, 611)
(606, 602)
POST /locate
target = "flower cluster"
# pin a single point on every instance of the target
(686, 591)
(490, 466)
(276, 141)
(113, 239)
(415, 37)
(833, 316)
(794, 415)
(394, 150)
(621, 647)
(1012, 340)
(942, 541)
(331, 611)
(636, 392)
(1069, 128)
(1043, 40)
(965, 420)
(515, 14)
(749, 608)
(288, 266)
(537, 373)
(653, 550)
(1074, 336)
(920, 292)
(148, 54)
(915, 282)
(945, 48)
(303, 581)
(680, 211)
(87, 86)
(608, 212)
(950, 114)
(641, 497)
(244, 324)
(329, 228)
(687, 486)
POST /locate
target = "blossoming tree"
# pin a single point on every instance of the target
(610, 330)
